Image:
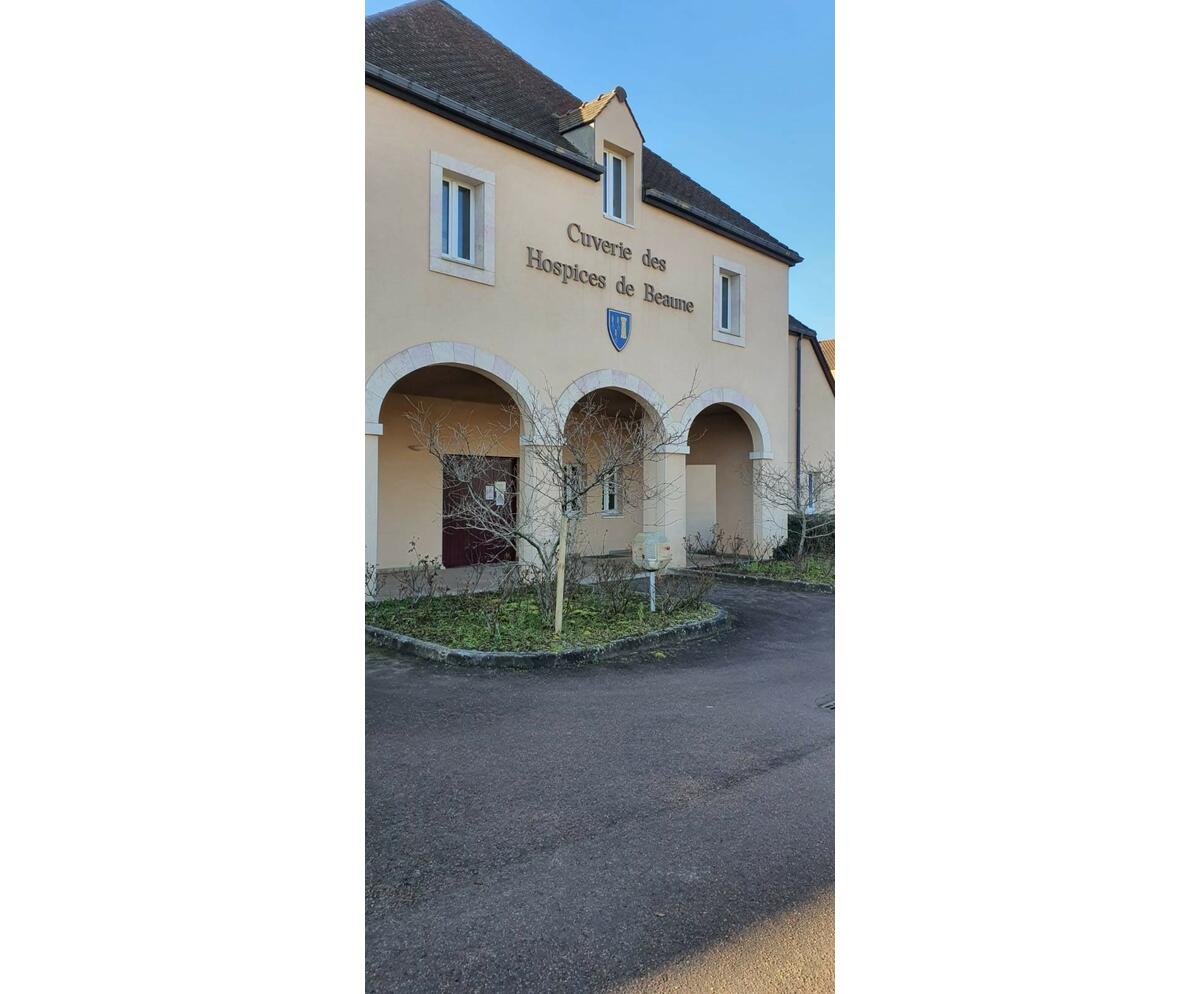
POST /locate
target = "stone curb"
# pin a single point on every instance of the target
(762, 581)
(539, 660)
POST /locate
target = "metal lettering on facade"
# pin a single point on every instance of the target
(570, 272)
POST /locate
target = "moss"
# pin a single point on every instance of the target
(485, 622)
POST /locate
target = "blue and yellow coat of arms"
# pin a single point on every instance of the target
(619, 326)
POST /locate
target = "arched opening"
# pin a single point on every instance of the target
(607, 434)
(474, 414)
(720, 499)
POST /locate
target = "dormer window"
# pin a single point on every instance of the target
(616, 186)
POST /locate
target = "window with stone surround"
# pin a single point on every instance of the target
(462, 219)
(729, 302)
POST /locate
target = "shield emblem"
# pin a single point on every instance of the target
(619, 325)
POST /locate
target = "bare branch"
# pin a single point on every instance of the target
(602, 445)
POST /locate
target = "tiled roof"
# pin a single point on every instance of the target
(432, 45)
(827, 348)
(588, 112)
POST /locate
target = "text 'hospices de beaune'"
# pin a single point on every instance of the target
(570, 272)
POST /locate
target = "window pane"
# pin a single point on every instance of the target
(618, 201)
(445, 217)
(724, 301)
(464, 223)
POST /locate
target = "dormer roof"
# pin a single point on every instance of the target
(586, 113)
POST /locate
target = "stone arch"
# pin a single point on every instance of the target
(611, 379)
(500, 371)
(748, 410)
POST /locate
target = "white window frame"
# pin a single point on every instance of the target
(626, 161)
(481, 267)
(577, 473)
(450, 225)
(735, 272)
(610, 493)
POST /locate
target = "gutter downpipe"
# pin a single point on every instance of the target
(799, 377)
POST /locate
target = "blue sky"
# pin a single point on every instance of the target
(763, 68)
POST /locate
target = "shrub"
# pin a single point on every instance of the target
(818, 541)
(705, 545)
(421, 580)
(614, 584)
(681, 591)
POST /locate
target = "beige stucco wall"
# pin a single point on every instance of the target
(410, 483)
(551, 332)
(410, 502)
(720, 438)
(817, 405)
(701, 501)
(597, 533)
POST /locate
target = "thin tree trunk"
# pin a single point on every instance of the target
(562, 573)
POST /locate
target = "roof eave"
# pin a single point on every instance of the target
(432, 101)
(804, 331)
(697, 216)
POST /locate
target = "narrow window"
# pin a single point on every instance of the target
(458, 221)
(445, 217)
(618, 204)
(614, 186)
(465, 223)
(609, 489)
(574, 481)
(812, 499)
(606, 186)
(725, 302)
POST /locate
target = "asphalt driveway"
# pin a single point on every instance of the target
(638, 825)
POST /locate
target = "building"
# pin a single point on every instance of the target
(812, 368)
(810, 396)
(524, 244)
(827, 350)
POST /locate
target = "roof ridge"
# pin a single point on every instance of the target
(405, 6)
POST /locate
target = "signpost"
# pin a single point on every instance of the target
(651, 552)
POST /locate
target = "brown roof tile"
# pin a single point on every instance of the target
(827, 348)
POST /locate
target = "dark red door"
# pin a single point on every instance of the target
(463, 546)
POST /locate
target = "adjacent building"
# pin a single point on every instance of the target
(525, 248)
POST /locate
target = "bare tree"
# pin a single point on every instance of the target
(575, 467)
(807, 497)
